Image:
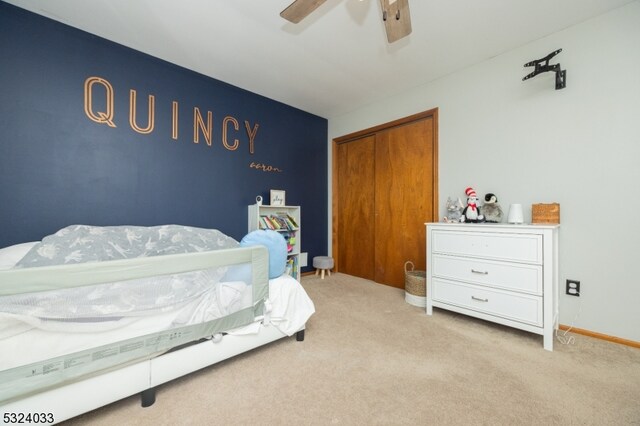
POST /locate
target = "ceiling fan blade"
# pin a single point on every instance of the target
(397, 20)
(300, 9)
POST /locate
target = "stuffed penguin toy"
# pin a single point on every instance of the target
(491, 210)
(471, 212)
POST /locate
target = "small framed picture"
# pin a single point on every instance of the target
(277, 197)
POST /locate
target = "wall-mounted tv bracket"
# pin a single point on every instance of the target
(540, 67)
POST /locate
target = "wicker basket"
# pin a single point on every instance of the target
(545, 213)
(415, 284)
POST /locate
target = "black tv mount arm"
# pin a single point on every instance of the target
(540, 67)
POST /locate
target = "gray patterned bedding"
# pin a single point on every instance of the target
(84, 243)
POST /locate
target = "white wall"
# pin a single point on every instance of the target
(528, 143)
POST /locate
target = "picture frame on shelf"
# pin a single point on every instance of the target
(278, 197)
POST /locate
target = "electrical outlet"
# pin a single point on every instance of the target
(573, 288)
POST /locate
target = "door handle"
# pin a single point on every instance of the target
(480, 272)
(479, 299)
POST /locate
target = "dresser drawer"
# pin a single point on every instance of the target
(519, 307)
(508, 246)
(509, 276)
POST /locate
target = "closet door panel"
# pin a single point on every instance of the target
(356, 168)
(403, 198)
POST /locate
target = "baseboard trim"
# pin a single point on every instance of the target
(601, 336)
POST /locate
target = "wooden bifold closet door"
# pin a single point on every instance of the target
(384, 191)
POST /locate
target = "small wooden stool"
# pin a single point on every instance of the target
(323, 263)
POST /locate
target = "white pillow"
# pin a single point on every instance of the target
(11, 255)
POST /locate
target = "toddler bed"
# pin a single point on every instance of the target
(91, 315)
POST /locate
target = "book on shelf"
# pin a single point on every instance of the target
(278, 222)
(292, 267)
(265, 223)
(292, 222)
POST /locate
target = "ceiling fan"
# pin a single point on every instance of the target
(395, 14)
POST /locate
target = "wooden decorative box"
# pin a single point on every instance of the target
(545, 213)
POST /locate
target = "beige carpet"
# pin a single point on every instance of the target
(370, 358)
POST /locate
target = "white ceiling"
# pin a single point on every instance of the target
(337, 59)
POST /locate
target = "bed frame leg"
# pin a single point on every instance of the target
(300, 336)
(148, 397)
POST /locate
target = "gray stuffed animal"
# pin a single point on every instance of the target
(454, 210)
(491, 210)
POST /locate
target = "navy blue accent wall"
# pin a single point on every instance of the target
(58, 167)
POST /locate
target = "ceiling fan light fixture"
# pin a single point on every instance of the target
(395, 28)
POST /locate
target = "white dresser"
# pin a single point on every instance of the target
(497, 272)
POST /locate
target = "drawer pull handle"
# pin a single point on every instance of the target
(480, 272)
(479, 299)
